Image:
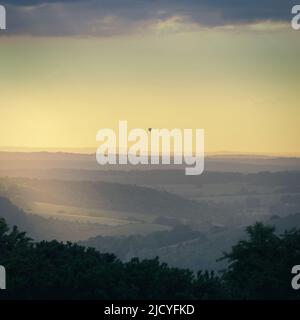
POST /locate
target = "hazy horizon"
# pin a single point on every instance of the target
(92, 151)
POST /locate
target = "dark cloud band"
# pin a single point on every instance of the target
(110, 17)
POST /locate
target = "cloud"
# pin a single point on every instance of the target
(116, 17)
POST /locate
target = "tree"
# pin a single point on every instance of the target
(260, 267)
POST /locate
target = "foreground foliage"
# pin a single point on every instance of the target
(258, 268)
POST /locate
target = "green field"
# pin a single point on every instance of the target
(106, 222)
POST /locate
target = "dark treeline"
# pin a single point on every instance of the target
(258, 268)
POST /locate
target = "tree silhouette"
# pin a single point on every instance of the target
(258, 268)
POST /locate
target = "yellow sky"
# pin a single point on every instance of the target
(241, 86)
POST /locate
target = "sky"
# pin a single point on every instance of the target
(70, 68)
